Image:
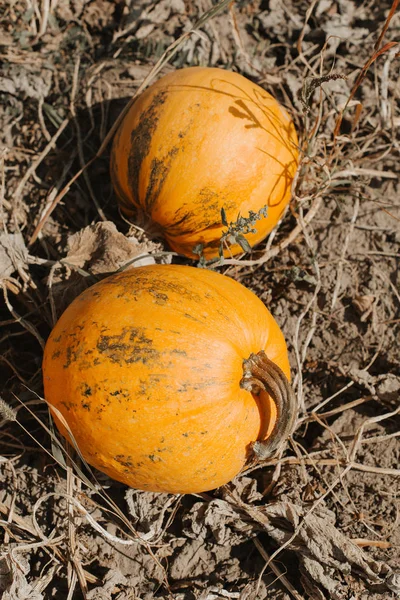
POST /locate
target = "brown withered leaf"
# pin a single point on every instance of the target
(150, 511)
(13, 254)
(325, 554)
(101, 248)
(221, 521)
(363, 305)
(96, 250)
(17, 586)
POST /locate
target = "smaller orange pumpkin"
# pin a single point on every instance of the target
(200, 140)
(169, 377)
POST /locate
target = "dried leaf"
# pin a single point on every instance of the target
(325, 553)
(221, 520)
(197, 558)
(318, 542)
(363, 305)
(113, 580)
(12, 253)
(101, 248)
(99, 14)
(25, 80)
(19, 588)
(149, 512)
(388, 389)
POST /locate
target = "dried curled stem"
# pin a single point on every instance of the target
(260, 373)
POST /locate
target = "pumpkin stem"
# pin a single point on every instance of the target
(260, 373)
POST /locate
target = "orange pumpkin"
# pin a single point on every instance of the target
(197, 141)
(160, 373)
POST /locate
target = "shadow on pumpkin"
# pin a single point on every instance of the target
(245, 107)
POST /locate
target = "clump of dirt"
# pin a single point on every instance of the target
(320, 521)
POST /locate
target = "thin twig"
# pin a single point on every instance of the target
(28, 326)
(281, 576)
(36, 163)
(339, 273)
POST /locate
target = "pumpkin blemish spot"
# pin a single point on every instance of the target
(125, 461)
(154, 458)
(72, 356)
(159, 170)
(141, 138)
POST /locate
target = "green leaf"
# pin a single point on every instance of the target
(223, 217)
(198, 249)
(232, 238)
(243, 243)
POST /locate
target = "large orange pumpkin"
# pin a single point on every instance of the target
(160, 373)
(200, 140)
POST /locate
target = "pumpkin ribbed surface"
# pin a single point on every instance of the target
(145, 368)
(199, 140)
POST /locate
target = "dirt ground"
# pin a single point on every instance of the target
(321, 522)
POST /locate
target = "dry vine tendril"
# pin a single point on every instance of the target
(260, 373)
